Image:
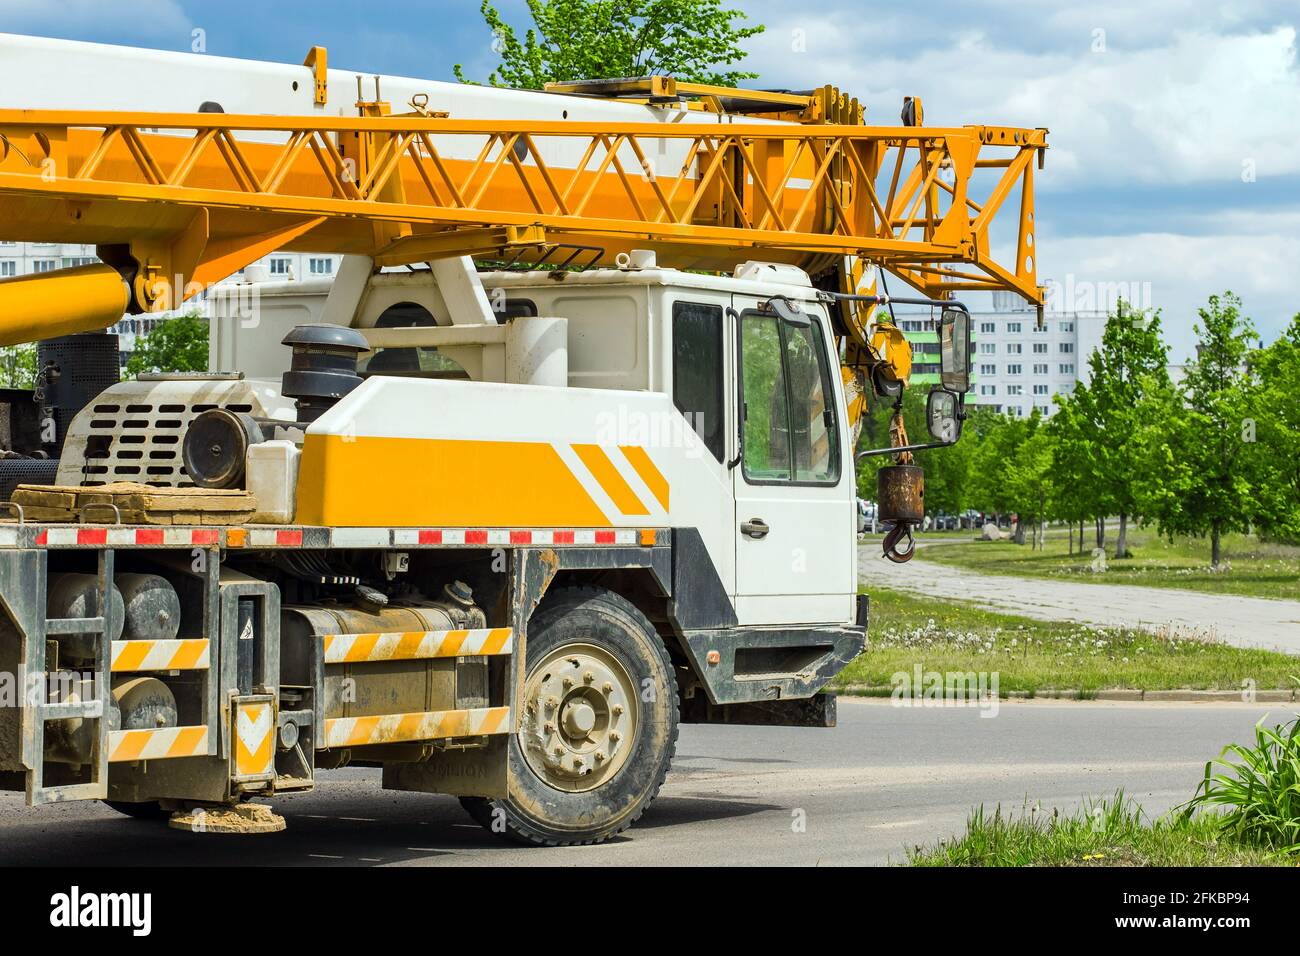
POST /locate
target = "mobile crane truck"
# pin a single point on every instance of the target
(561, 457)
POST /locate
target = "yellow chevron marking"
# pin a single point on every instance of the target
(254, 739)
(603, 470)
(644, 466)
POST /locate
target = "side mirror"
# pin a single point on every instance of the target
(943, 415)
(954, 349)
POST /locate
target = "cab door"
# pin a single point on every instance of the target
(794, 482)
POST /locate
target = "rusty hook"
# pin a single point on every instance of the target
(896, 534)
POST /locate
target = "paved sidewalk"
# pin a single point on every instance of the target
(1236, 620)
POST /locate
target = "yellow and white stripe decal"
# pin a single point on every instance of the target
(187, 655)
(162, 744)
(429, 725)
(425, 482)
(417, 645)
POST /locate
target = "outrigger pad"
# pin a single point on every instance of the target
(241, 818)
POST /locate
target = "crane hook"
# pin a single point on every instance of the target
(900, 534)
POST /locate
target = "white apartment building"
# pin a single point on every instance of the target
(27, 258)
(1020, 367)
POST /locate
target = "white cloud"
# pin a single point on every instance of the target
(1255, 259)
(1192, 109)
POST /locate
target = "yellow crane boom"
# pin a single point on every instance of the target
(178, 201)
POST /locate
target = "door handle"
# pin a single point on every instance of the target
(754, 528)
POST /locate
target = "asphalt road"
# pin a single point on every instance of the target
(886, 778)
(1233, 619)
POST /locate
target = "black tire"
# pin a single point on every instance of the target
(538, 813)
(148, 810)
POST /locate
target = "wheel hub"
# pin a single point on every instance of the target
(581, 717)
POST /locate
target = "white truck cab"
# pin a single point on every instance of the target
(757, 419)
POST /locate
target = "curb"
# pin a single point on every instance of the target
(1127, 695)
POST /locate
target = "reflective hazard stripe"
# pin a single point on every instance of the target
(429, 725)
(161, 744)
(426, 537)
(416, 645)
(57, 536)
(186, 655)
(72, 536)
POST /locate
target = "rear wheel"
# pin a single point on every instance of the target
(599, 727)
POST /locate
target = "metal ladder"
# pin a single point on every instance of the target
(43, 710)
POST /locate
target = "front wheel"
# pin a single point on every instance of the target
(599, 727)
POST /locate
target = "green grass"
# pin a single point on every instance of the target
(1250, 567)
(1260, 788)
(1102, 833)
(1037, 656)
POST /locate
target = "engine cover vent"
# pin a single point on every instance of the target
(134, 431)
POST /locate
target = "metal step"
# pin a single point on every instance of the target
(86, 709)
(75, 625)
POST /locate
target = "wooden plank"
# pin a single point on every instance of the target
(136, 504)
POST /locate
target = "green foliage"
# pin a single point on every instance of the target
(1261, 789)
(692, 40)
(1275, 452)
(1201, 471)
(1130, 367)
(18, 366)
(1011, 468)
(176, 345)
(1215, 454)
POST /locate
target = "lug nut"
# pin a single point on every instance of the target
(588, 677)
(600, 755)
(618, 710)
(607, 688)
(615, 736)
(568, 682)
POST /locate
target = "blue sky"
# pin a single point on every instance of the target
(1174, 125)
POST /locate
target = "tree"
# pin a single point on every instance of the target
(1074, 462)
(692, 40)
(1011, 470)
(1197, 440)
(175, 345)
(1131, 364)
(1275, 449)
(18, 366)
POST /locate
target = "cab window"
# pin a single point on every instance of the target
(789, 427)
(697, 371)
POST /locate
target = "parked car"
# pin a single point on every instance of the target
(866, 516)
(944, 521)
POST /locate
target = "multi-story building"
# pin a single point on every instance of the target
(26, 258)
(920, 330)
(1016, 366)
